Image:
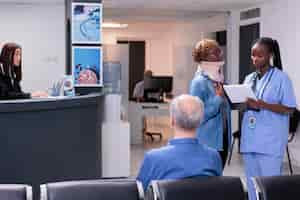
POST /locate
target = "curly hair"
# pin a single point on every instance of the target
(201, 50)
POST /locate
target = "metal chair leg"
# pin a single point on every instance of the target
(289, 160)
(239, 143)
(231, 150)
(150, 134)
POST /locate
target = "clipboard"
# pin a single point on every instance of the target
(238, 94)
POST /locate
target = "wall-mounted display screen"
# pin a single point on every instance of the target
(86, 23)
(87, 65)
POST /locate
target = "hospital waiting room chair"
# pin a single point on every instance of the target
(93, 190)
(277, 188)
(294, 122)
(212, 188)
(15, 192)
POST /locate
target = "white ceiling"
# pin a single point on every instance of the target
(195, 5)
(171, 9)
(168, 9)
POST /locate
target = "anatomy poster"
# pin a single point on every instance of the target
(87, 66)
(86, 23)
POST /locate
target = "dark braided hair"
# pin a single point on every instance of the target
(7, 56)
(273, 47)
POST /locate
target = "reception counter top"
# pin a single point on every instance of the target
(52, 139)
(47, 103)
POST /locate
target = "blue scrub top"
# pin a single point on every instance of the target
(210, 131)
(181, 158)
(269, 133)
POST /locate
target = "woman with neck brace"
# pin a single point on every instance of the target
(215, 129)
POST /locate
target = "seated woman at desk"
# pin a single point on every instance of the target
(11, 73)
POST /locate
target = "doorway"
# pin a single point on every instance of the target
(137, 62)
(248, 34)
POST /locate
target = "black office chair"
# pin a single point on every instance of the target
(93, 190)
(212, 188)
(294, 122)
(15, 192)
(277, 188)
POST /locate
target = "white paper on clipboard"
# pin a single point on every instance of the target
(239, 93)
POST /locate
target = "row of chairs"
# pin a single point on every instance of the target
(212, 188)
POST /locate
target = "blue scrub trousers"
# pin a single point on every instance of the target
(257, 164)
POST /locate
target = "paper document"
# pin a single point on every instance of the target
(239, 93)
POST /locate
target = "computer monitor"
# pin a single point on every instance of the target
(158, 84)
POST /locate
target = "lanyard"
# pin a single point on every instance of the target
(260, 92)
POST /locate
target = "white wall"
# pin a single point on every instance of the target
(40, 30)
(158, 46)
(283, 25)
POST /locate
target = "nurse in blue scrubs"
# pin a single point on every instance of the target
(265, 123)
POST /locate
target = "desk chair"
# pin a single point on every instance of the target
(294, 122)
(145, 132)
(236, 136)
(150, 134)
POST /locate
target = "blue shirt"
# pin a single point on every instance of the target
(269, 133)
(210, 131)
(181, 158)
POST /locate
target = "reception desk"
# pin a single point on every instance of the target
(53, 139)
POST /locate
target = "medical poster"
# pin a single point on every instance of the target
(87, 66)
(86, 23)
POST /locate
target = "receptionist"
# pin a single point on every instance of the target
(11, 74)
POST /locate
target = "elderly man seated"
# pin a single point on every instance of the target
(184, 156)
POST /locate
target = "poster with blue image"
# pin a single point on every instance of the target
(86, 23)
(87, 66)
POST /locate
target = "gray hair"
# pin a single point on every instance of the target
(187, 111)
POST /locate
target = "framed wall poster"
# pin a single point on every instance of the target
(86, 23)
(87, 65)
